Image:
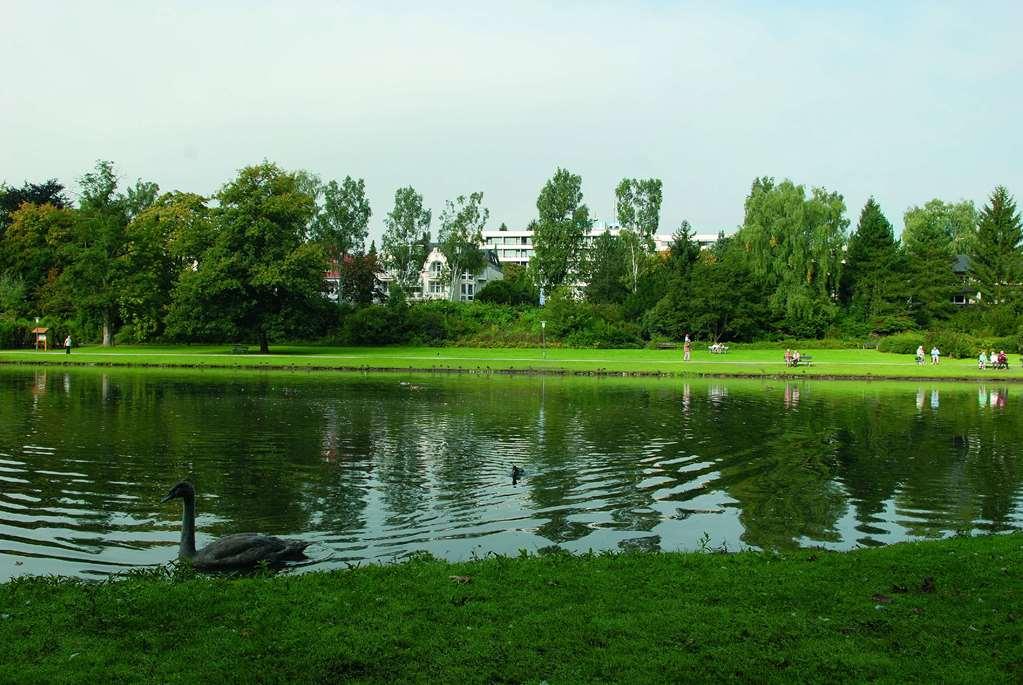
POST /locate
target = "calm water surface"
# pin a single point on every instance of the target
(377, 467)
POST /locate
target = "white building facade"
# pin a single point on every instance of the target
(516, 247)
(433, 283)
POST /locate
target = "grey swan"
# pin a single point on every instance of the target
(233, 552)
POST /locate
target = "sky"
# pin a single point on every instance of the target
(903, 101)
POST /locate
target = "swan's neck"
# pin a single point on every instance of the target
(187, 547)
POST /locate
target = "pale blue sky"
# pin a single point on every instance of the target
(903, 101)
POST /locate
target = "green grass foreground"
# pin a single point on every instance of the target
(827, 363)
(807, 616)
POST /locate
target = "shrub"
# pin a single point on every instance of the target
(506, 292)
(901, 343)
(14, 334)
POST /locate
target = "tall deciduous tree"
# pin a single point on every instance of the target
(342, 224)
(258, 269)
(794, 245)
(93, 251)
(560, 232)
(461, 235)
(996, 261)
(638, 209)
(163, 240)
(872, 277)
(957, 220)
(406, 240)
(28, 250)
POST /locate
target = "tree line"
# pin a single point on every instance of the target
(137, 264)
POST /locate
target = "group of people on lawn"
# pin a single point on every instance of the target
(995, 361)
(935, 355)
(792, 357)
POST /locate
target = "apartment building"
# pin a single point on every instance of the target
(516, 247)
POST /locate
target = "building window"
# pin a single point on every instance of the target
(436, 268)
(959, 298)
(525, 241)
(436, 287)
(468, 290)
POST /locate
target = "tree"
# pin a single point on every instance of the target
(929, 255)
(257, 270)
(606, 270)
(140, 197)
(406, 240)
(996, 261)
(638, 209)
(49, 192)
(29, 253)
(871, 280)
(683, 250)
(93, 251)
(716, 299)
(163, 241)
(794, 248)
(461, 234)
(359, 283)
(514, 287)
(342, 225)
(957, 220)
(560, 232)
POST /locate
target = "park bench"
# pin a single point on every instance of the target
(870, 345)
(239, 349)
(667, 346)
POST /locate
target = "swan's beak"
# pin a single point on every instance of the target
(168, 498)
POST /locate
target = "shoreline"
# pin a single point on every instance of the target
(922, 611)
(517, 371)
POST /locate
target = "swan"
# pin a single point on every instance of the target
(232, 552)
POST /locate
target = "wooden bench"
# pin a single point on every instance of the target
(804, 360)
(666, 346)
(239, 349)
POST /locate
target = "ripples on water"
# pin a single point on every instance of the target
(381, 466)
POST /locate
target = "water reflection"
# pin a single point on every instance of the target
(375, 468)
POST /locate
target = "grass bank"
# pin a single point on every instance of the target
(939, 611)
(827, 363)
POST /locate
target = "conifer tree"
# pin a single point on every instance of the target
(996, 262)
(871, 278)
(928, 251)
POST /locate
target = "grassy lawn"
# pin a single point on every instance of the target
(737, 362)
(808, 616)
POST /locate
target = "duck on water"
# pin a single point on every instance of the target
(233, 552)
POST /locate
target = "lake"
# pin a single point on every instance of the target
(375, 467)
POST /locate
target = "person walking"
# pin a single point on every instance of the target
(935, 355)
(687, 348)
(67, 344)
(982, 361)
(920, 355)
